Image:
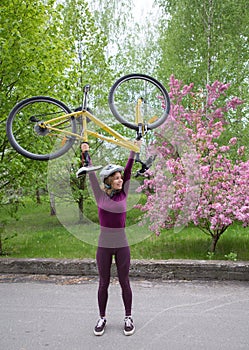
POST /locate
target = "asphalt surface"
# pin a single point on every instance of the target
(60, 313)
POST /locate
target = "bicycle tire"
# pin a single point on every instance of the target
(125, 122)
(15, 138)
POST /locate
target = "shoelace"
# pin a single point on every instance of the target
(100, 323)
(128, 322)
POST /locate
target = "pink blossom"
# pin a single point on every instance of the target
(194, 179)
(241, 151)
(234, 103)
(233, 141)
(224, 148)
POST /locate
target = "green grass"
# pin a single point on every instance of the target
(37, 234)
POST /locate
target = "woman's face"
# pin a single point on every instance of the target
(117, 181)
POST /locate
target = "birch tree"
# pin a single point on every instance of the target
(204, 41)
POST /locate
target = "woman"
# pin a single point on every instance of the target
(111, 202)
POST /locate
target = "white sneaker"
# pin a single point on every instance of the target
(129, 327)
(100, 326)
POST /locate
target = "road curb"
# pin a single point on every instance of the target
(148, 269)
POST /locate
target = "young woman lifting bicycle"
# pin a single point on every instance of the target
(111, 202)
(43, 128)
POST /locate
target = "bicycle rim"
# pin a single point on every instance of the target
(33, 142)
(125, 93)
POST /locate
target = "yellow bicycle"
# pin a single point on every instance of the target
(43, 128)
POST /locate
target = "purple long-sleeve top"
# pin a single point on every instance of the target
(112, 210)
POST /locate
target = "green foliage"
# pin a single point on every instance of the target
(32, 59)
(32, 49)
(205, 41)
(231, 256)
(131, 47)
(39, 55)
(88, 47)
(37, 234)
(210, 255)
(201, 42)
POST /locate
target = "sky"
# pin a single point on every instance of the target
(142, 8)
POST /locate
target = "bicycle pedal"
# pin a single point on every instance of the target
(87, 169)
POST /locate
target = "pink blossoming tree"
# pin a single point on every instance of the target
(195, 179)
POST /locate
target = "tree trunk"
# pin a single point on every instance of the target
(82, 184)
(1, 245)
(52, 204)
(1, 242)
(38, 197)
(81, 208)
(215, 239)
(209, 14)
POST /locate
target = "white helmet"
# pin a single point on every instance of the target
(108, 170)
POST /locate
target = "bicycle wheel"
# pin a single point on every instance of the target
(29, 139)
(125, 93)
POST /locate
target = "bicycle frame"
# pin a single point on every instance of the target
(117, 139)
(67, 126)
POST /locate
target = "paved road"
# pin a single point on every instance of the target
(60, 315)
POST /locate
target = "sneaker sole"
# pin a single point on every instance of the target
(129, 332)
(99, 333)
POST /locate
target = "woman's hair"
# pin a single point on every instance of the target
(107, 188)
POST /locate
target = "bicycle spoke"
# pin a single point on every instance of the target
(138, 97)
(29, 134)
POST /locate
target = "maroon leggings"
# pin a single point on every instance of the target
(104, 262)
